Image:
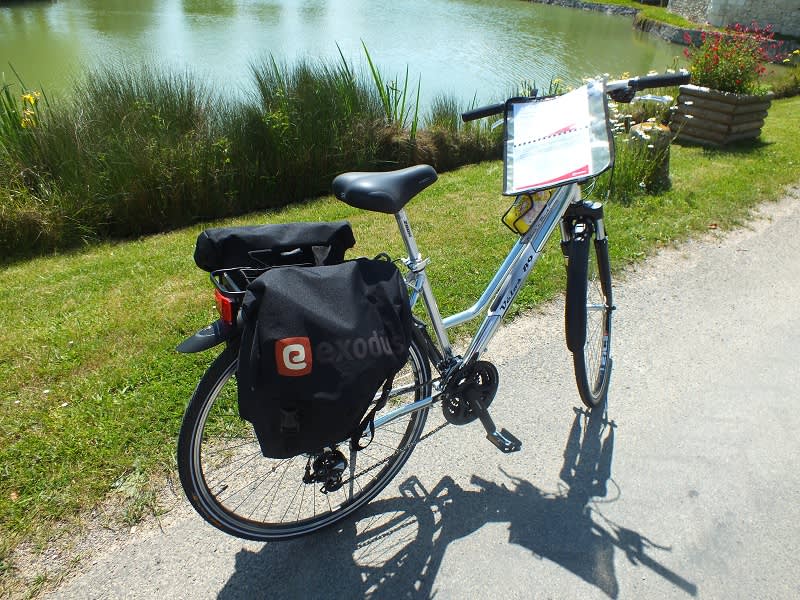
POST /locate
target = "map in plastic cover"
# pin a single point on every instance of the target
(556, 141)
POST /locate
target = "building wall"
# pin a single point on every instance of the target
(784, 15)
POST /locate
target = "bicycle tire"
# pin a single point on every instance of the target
(239, 491)
(588, 311)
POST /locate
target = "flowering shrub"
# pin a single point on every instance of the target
(732, 61)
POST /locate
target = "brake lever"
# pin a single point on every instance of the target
(665, 100)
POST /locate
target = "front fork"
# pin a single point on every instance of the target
(577, 226)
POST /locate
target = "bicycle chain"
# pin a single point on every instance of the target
(396, 452)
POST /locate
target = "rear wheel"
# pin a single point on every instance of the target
(588, 312)
(236, 489)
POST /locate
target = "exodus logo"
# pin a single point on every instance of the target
(355, 349)
(294, 356)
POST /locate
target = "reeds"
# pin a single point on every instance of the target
(139, 150)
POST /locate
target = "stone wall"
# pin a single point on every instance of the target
(610, 9)
(694, 10)
(783, 15)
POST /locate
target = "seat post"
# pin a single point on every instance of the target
(417, 265)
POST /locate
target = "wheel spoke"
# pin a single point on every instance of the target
(234, 487)
(592, 361)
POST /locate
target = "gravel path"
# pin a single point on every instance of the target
(688, 487)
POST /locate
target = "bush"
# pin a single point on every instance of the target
(732, 61)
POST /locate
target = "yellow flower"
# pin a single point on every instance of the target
(786, 60)
(31, 98)
(28, 118)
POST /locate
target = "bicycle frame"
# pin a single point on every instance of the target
(498, 295)
(504, 286)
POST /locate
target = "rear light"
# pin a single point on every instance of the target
(226, 307)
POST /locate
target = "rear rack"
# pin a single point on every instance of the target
(233, 282)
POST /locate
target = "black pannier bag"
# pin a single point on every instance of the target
(258, 246)
(318, 346)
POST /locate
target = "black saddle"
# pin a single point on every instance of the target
(386, 192)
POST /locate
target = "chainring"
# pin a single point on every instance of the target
(479, 382)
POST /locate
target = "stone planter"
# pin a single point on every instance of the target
(714, 118)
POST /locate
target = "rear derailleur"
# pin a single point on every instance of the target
(326, 468)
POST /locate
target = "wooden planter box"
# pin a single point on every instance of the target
(714, 118)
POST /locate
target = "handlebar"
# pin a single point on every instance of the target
(652, 81)
(621, 90)
(483, 111)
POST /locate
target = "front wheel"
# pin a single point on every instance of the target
(588, 311)
(238, 490)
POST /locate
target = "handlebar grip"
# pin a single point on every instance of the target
(656, 81)
(483, 111)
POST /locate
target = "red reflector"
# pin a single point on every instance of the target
(225, 307)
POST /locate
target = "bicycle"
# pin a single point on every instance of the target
(233, 487)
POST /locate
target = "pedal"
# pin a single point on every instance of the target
(505, 441)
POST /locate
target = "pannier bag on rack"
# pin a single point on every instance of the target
(318, 347)
(259, 246)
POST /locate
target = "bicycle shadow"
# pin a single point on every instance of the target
(394, 548)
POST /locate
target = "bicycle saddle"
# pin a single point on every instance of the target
(386, 192)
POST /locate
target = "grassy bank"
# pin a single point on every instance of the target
(137, 151)
(92, 392)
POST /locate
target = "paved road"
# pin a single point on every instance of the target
(687, 488)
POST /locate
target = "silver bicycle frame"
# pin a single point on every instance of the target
(500, 292)
(504, 286)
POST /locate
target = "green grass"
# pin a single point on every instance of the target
(92, 390)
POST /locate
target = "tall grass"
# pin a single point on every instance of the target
(142, 149)
(27, 216)
(309, 121)
(133, 151)
(641, 160)
(138, 150)
(395, 99)
(635, 164)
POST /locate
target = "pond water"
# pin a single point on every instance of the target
(469, 48)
